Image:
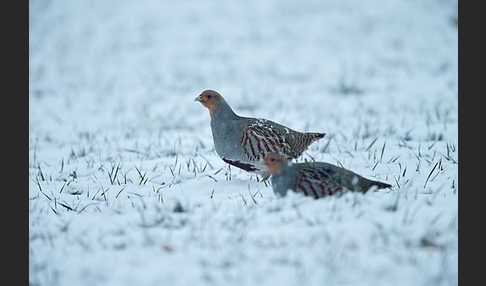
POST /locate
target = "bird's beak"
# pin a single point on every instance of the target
(198, 98)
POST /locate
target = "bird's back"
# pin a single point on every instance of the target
(320, 179)
(338, 176)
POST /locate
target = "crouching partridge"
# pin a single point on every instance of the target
(315, 179)
(243, 141)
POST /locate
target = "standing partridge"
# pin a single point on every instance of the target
(243, 142)
(315, 179)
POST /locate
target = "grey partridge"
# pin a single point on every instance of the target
(243, 141)
(317, 179)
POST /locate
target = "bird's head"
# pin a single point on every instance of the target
(274, 162)
(210, 99)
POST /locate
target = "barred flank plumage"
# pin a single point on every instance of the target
(264, 136)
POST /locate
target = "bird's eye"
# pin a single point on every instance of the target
(272, 160)
(209, 96)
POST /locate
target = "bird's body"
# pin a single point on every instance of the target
(244, 141)
(317, 179)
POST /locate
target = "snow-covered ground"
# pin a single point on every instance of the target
(125, 187)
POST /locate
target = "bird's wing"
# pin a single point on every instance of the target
(261, 137)
(317, 181)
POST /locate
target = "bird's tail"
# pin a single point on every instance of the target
(304, 140)
(380, 185)
(314, 136)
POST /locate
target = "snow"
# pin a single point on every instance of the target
(125, 187)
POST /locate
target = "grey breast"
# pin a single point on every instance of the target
(227, 138)
(283, 181)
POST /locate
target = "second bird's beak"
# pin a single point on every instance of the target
(198, 98)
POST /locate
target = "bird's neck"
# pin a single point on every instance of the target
(223, 112)
(276, 169)
(284, 166)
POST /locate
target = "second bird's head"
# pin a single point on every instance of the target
(274, 162)
(210, 99)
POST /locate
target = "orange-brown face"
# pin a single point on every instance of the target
(208, 98)
(273, 162)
